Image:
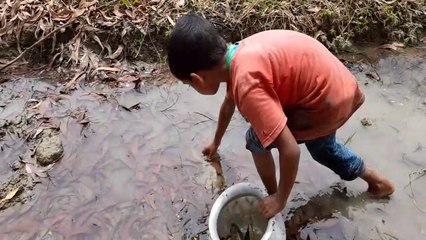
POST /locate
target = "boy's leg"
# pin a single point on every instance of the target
(263, 160)
(345, 163)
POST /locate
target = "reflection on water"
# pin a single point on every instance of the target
(134, 171)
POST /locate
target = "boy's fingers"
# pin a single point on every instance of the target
(204, 151)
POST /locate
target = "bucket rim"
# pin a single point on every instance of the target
(233, 192)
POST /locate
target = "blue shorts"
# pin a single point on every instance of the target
(325, 150)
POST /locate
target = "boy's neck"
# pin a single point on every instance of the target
(225, 71)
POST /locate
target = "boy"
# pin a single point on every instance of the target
(291, 90)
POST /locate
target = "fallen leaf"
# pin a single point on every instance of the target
(9, 3)
(3, 28)
(106, 16)
(171, 20)
(85, 4)
(40, 130)
(84, 121)
(81, 118)
(106, 24)
(150, 200)
(77, 12)
(117, 11)
(129, 13)
(37, 105)
(180, 3)
(117, 53)
(10, 195)
(37, 172)
(108, 69)
(37, 16)
(393, 46)
(71, 83)
(62, 15)
(30, 171)
(314, 9)
(98, 41)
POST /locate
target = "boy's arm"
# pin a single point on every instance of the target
(226, 111)
(289, 154)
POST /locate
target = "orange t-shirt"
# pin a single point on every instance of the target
(282, 77)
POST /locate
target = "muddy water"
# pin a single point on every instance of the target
(136, 172)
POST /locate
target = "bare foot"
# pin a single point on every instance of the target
(378, 185)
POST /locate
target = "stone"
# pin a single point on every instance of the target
(366, 122)
(50, 148)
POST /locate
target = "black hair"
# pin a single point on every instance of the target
(194, 45)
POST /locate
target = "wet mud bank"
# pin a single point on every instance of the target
(127, 164)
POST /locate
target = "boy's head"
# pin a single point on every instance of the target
(196, 54)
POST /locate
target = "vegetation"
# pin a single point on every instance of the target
(87, 34)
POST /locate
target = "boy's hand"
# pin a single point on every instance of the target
(210, 151)
(271, 205)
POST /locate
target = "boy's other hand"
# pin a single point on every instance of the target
(271, 205)
(210, 151)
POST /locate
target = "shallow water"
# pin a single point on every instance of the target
(139, 174)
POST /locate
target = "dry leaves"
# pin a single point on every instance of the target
(36, 172)
(10, 195)
(44, 16)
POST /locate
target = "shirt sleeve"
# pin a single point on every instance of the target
(261, 106)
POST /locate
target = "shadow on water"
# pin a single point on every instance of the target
(326, 215)
(134, 170)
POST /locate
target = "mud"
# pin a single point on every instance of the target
(132, 166)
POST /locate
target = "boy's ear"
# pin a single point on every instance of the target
(196, 79)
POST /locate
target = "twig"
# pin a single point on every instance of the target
(349, 139)
(174, 103)
(36, 43)
(201, 122)
(205, 116)
(391, 236)
(202, 232)
(74, 79)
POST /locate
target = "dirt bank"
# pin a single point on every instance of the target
(99, 38)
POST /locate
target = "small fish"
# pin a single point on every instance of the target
(249, 233)
(234, 233)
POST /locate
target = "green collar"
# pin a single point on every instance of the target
(230, 54)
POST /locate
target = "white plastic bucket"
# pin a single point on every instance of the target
(275, 229)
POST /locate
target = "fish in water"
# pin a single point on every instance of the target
(237, 234)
